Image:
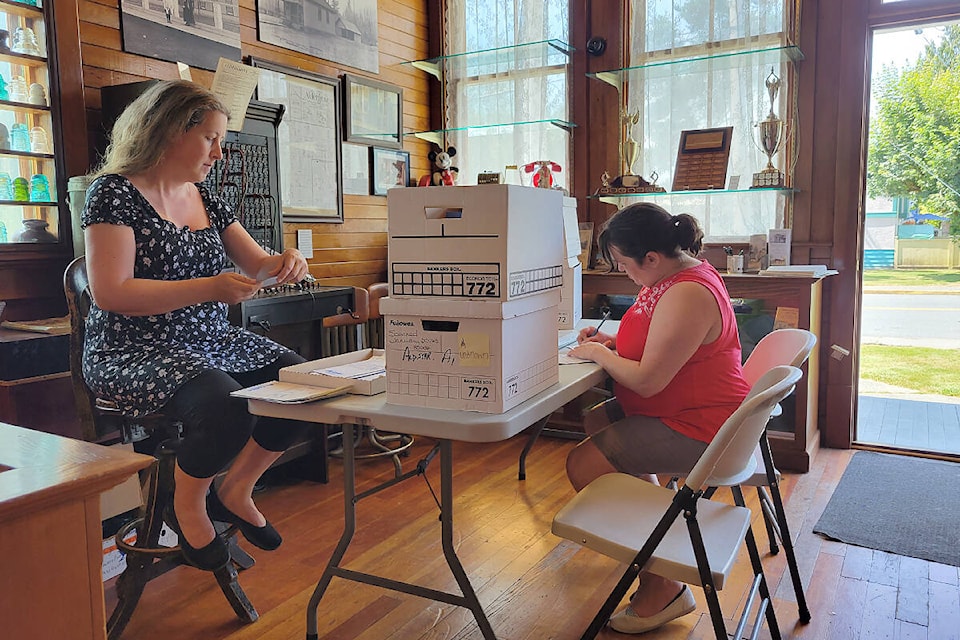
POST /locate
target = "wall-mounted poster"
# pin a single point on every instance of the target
(356, 169)
(308, 141)
(343, 31)
(197, 33)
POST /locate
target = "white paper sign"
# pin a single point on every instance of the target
(234, 83)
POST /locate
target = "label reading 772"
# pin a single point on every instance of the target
(481, 286)
(482, 389)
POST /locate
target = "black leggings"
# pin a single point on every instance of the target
(217, 426)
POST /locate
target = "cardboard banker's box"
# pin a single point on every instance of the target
(570, 311)
(472, 355)
(486, 242)
(360, 369)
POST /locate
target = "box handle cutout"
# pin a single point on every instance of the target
(448, 326)
(440, 213)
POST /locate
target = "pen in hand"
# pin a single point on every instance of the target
(606, 314)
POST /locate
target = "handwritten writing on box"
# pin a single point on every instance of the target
(452, 349)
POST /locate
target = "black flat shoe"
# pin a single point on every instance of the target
(265, 537)
(210, 557)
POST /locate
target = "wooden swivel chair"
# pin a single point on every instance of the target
(102, 421)
(636, 522)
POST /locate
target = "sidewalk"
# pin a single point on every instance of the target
(883, 390)
(938, 289)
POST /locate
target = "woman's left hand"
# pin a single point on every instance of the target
(290, 266)
(593, 351)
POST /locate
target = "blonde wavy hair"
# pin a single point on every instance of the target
(146, 128)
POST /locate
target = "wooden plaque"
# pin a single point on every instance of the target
(702, 159)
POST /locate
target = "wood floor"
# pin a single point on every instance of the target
(533, 585)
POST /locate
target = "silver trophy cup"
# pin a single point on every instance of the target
(770, 138)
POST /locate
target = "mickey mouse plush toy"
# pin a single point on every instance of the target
(444, 174)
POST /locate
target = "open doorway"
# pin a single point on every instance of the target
(909, 388)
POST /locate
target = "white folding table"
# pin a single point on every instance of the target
(445, 425)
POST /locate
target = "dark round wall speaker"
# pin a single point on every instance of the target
(596, 46)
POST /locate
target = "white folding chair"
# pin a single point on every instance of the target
(636, 522)
(780, 347)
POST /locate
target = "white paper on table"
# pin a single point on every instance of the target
(287, 392)
(362, 369)
(566, 358)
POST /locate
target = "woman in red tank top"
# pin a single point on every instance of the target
(675, 362)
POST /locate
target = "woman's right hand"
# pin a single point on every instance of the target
(589, 334)
(231, 287)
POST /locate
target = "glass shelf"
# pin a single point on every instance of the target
(25, 107)
(437, 136)
(20, 9)
(27, 154)
(528, 55)
(615, 198)
(700, 64)
(27, 203)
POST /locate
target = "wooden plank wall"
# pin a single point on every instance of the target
(354, 252)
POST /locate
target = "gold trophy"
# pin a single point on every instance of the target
(770, 134)
(630, 149)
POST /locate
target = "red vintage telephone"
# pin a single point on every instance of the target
(544, 172)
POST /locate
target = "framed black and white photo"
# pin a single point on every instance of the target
(391, 168)
(356, 169)
(308, 141)
(373, 112)
(195, 33)
(342, 32)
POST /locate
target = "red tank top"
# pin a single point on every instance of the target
(710, 386)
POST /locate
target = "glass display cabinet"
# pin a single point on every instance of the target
(31, 169)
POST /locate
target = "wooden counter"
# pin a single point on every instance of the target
(50, 533)
(794, 438)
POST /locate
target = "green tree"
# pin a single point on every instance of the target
(915, 131)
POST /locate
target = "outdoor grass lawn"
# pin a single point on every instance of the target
(912, 277)
(919, 368)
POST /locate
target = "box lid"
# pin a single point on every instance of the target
(447, 308)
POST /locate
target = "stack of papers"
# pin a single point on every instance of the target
(799, 270)
(368, 369)
(288, 393)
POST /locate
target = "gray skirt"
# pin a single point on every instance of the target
(640, 444)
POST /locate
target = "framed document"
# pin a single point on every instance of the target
(308, 141)
(374, 112)
(702, 159)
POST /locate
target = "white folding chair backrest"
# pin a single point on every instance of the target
(728, 459)
(783, 346)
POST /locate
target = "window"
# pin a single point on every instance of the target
(698, 65)
(510, 93)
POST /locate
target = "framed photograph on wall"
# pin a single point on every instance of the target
(356, 169)
(391, 168)
(342, 32)
(373, 112)
(180, 31)
(308, 141)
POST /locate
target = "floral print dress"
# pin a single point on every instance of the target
(140, 361)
